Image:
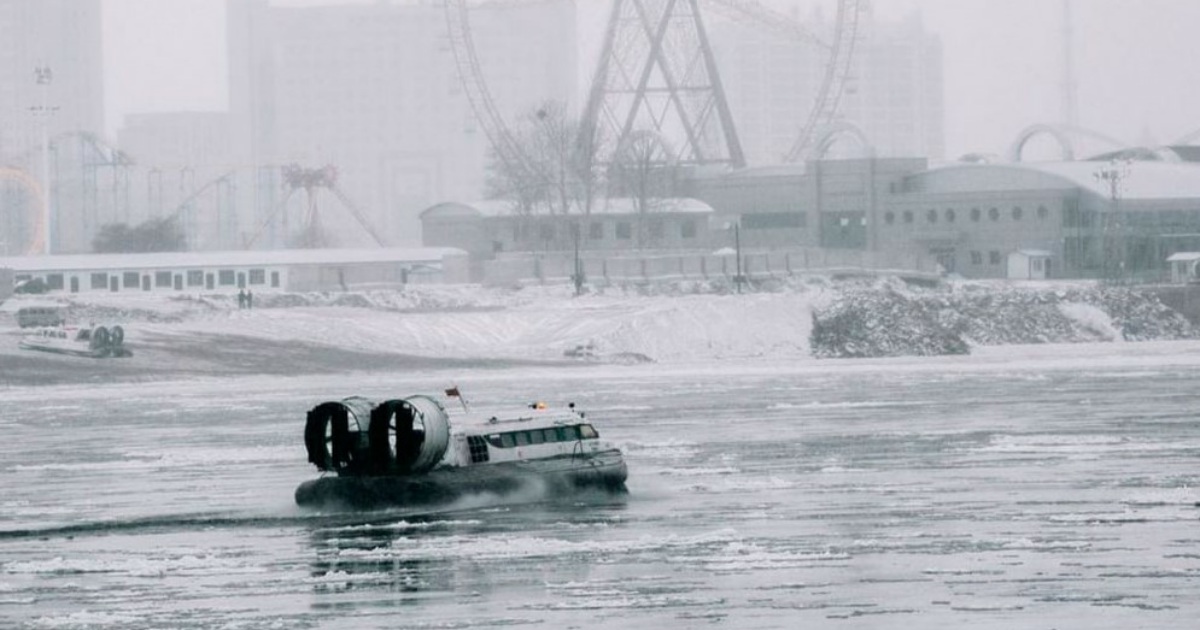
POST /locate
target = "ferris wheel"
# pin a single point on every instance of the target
(657, 77)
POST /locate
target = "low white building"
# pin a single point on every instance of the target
(1184, 267)
(1029, 264)
(278, 270)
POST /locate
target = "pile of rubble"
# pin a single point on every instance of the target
(894, 320)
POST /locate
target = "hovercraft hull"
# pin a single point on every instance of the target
(605, 471)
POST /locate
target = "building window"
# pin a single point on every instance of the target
(1017, 213)
(546, 231)
(908, 216)
(976, 258)
(656, 228)
(1037, 264)
(162, 278)
(889, 217)
(275, 279)
(258, 276)
(195, 278)
(131, 279)
(624, 230)
(688, 229)
(844, 222)
(950, 215)
(55, 281)
(994, 257)
(596, 230)
(931, 216)
(1043, 212)
(100, 281)
(773, 220)
(975, 215)
(994, 214)
(225, 277)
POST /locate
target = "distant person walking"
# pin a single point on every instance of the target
(242, 298)
(249, 299)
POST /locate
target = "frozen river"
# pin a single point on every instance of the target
(1020, 488)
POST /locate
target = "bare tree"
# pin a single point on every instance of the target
(559, 172)
(644, 170)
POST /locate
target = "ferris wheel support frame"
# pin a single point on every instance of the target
(824, 112)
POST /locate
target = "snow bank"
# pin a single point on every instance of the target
(891, 319)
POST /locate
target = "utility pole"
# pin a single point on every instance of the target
(738, 279)
(1114, 174)
(577, 276)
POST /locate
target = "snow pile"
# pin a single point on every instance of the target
(890, 319)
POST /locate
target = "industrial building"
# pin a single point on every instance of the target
(1075, 219)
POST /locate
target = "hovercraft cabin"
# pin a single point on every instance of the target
(279, 270)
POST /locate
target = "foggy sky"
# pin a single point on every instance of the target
(1135, 62)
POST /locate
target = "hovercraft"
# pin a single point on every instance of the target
(86, 341)
(411, 451)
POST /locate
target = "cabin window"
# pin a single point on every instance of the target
(688, 229)
(478, 448)
(522, 438)
(568, 434)
(507, 440)
(536, 437)
(550, 435)
(588, 432)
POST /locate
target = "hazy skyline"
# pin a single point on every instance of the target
(1003, 63)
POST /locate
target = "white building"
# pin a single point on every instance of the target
(373, 89)
(893, 93)
(208, 272)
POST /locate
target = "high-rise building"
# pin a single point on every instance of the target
(893, 91)
(52, 94)
(373, 90)
(64, 37)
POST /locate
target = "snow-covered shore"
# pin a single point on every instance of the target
(675, 323)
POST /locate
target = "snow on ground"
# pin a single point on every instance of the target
(535, 324)
(667, 323)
